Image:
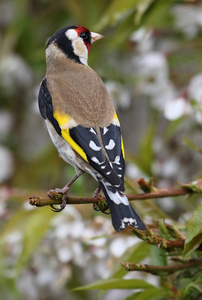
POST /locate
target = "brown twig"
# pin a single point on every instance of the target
(161, 270)
(177, 239)
(184, 189)
(56, 198)
(154, 239)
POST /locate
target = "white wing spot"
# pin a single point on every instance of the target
(103, 167)
(92, 130)
(117, 160)
(93, 146)
(119, 175)
(105, 130)
(111, 145)
(96, 160)
(108, 173)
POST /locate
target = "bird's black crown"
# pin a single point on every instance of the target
(61, 40)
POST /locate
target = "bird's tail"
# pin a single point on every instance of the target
(122, 213)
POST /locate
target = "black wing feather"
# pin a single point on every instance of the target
(97, 158)
(46, 107)
(113, 132)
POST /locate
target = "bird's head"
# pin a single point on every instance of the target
(73, 41)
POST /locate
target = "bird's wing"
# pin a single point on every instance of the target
(46, 106)
(106, 157)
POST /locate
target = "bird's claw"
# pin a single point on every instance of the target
(96, 207)
(99, 205)
(104, 210)
(55, 209)
(63, 192)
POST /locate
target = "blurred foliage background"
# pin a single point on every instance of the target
(151, 63)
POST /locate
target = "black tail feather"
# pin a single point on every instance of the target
(122, 215)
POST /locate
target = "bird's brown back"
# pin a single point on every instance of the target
(78, 91)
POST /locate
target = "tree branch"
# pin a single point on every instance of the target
(151, 193)
(56, 198)
(162, 270)
(177, 239)
(151, 238)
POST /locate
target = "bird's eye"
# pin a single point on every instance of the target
(85, 36)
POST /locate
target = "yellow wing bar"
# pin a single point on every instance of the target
(116, 122)
(64, 120)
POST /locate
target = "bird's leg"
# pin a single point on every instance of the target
(96, 194)
(63, 191)
(96, 206)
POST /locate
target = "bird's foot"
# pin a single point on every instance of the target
(63, 192)
(100, 205)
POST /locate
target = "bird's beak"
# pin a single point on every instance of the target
(95, 37)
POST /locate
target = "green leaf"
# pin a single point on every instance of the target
(149, 208)
(159, 15)
(86, 12)
(192, 287)
(135, 253)
(158, 256)
(191, 144)
(144, 158)
(149, 294)
(33, 225)
(115, 12)
(194, 236)
(141, 9)
(16, 222)
(34, 230)
(115, 283)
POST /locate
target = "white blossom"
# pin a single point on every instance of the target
(195, 88)
(14, 73)
(188, 19)
(176, 108)
(119, 94)
(6, 163)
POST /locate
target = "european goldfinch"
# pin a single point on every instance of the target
(82, 122)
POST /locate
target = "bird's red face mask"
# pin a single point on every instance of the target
(87, 36)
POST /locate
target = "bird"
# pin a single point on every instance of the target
(82, 122)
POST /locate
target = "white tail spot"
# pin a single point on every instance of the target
(125, 222)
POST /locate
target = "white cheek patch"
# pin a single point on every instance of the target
(71, 34)
(78, 45)
(80, 50)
